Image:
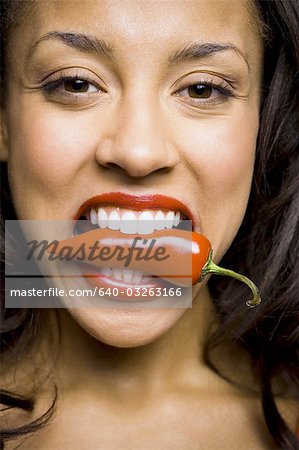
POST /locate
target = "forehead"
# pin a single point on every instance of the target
(135, 16)
(145, 24)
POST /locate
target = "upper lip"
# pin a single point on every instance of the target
(137, 202)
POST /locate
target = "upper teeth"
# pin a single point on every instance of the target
(133, 222)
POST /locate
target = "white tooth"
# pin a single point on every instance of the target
(107, 271)
(169, 219)
(159, 221)
(146, 222)
(117, 273)
(114, 220)
(147, 279)
(93, 216)
(137, 277)
(128, 275)
(102, 218)
(176, 219)
(129, 223)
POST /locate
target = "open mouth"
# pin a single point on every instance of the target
(137, 222)
(130, 216)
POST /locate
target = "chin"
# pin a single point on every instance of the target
(126, 327)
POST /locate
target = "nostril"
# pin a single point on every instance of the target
(164, 170)
(110, 165)
(119, 168)
(113, 166)
(137, 161)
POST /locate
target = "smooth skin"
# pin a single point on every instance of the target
(136, 379)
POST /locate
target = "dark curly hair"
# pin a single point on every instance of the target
(266, 247)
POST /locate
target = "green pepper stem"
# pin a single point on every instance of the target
(212, 268)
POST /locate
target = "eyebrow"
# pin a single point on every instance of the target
(200, 50)
(80, 41)
(90, 43)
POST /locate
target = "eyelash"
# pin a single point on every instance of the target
(53, 85)
(223, 89)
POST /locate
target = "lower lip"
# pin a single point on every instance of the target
(120, 290)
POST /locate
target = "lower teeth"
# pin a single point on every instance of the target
(128, 276)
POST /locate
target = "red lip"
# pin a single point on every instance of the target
(135, 202)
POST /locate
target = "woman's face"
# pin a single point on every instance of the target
(143, 97)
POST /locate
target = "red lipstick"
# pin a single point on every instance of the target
(139, 202)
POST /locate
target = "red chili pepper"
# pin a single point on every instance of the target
(186, 255)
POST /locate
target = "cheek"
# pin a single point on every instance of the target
(49, 148)
(220, 152)
(223, 149)
(226, 157)
(51, 144)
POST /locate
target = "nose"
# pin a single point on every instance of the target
(137, 143)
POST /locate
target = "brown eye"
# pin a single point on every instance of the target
(76, 85)
(199, 91)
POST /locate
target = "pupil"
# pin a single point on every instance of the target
(200, 90)
(76, 85)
